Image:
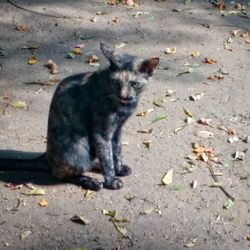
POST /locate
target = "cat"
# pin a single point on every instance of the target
(86, 117)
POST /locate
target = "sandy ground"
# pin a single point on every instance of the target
(175, 216)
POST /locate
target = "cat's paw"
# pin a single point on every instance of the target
(125, 171)
(114, 184)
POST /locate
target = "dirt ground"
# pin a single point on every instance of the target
(176, 216)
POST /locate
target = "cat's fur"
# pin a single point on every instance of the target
(86, 116)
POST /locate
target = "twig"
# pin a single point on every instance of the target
(229, 196)
(36, 12)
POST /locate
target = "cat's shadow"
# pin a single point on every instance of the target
(20, 177)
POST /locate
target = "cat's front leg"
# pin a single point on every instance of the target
(105, 155)
(120, 169)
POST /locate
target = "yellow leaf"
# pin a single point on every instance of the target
(43, 203)
(32, 60)
(78, 51)
(89, 194)
(111, 213)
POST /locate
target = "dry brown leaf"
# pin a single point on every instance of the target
(204, 121)
(145, 131)
(228, 48)
(216, 77)
(231, 131)
(147, 143)
(210, 60)
(116, 20)
(13, 186)
(52, 67)
(21, 27)
(43, 203)
(144, 113)
(221, 5)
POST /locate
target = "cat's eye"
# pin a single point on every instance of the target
(134, 84)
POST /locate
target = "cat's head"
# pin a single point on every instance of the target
(128, 75)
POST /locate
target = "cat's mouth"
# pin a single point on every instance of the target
(125, 100)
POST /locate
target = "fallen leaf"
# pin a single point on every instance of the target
(188, 112)
(147, 143)
(228, 204)
(71, 55)
(205, 134)
(36, 191)
(189, 120)
(78, 51)
(223, 71)
(196, 97)
(111, 213)
(99, 13)
(89, 194)
(18, 104)
(145, 131)
(52, 67)
(247, 41)
(129, 197)
(170, 50)
(144, 113)
(21, 27)
(216, 185)
(205, 121)
(116, 20)
(231, 131)
(13, 186)
(195, 54)
(158, 102)
(43, 203)
(189, 70)
(178, 129)
(230, 39)
(80, 219)
(168, 177)
(210, 61)
(140, 13)
(121, 45)
(226, 47)
(25, 234)
(32, 60)
(121, 229)
(147, 211)
(170, 92)
(93, 60)
(216, 77)
(159, 118)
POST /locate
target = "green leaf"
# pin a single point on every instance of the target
(121, 229)
(158, 102)
(228, 204)
(147, 211)
(2, 52)
(86, 37)
(19, 105)
(159, 118)
(129, 197)
(71, 55)
(25, 234)
(36, 191)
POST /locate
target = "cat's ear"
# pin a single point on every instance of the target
(108, 51)
(148, 66)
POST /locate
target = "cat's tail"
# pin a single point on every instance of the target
(34, 164)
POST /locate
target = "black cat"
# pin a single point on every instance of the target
(86, 116)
